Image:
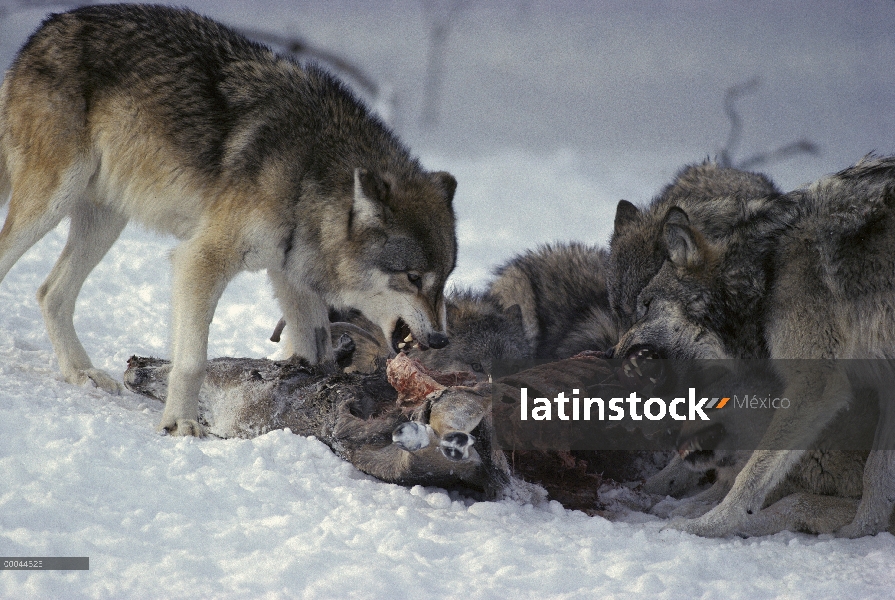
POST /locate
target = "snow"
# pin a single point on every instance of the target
(83, 473)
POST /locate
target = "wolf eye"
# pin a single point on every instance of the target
(415, 279)
(643, 307)
(477, 367)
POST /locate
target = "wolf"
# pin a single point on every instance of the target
(712, 196)
(481, 331)
(819, 496)
(805, 275)
(550, 303)
(118, 112)
(562, 294)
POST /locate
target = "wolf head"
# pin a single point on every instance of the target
(481, 332)
(708, 298)
(399, 249)
(712, 196)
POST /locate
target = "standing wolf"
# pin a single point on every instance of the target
(808, 275)
(119, 112)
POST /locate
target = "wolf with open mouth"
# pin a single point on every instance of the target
(253, 161)
(804, 275)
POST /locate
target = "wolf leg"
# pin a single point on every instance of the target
(92, 232)
(816, 397)
(39, 202)
(674, 480)
(802, 513)
(307, 321)
(700, 503)
(41, 197)
(202, 268)
(877, 499)
(878, 494)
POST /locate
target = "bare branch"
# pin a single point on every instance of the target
(383, 96)
(441, 17)
(725, 157)
(781, 153)
(733, 94)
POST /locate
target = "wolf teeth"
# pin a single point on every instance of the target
(401, 345)
(409, 337)
(653, 379)
(692, 446)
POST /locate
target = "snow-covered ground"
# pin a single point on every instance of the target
(552, 111)
(83, 473)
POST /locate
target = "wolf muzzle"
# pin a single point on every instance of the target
(437, 340)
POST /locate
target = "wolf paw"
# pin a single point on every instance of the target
(708, 525)
(690, 509)
(411, 436)
(456, 444)
(181, 427)
(871, 517)
(857, 529)
(100, 379)
(684, 509)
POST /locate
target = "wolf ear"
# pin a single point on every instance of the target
(684, 249)
(676, 216)
(625, 214)
(446, 183)
(514, 313)
(370, 193)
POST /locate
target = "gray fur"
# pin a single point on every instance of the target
(827, 479)
(805, 275)
(561, 291)
(481, 332)
(156, 114)
(545, 303)
(713, 197)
